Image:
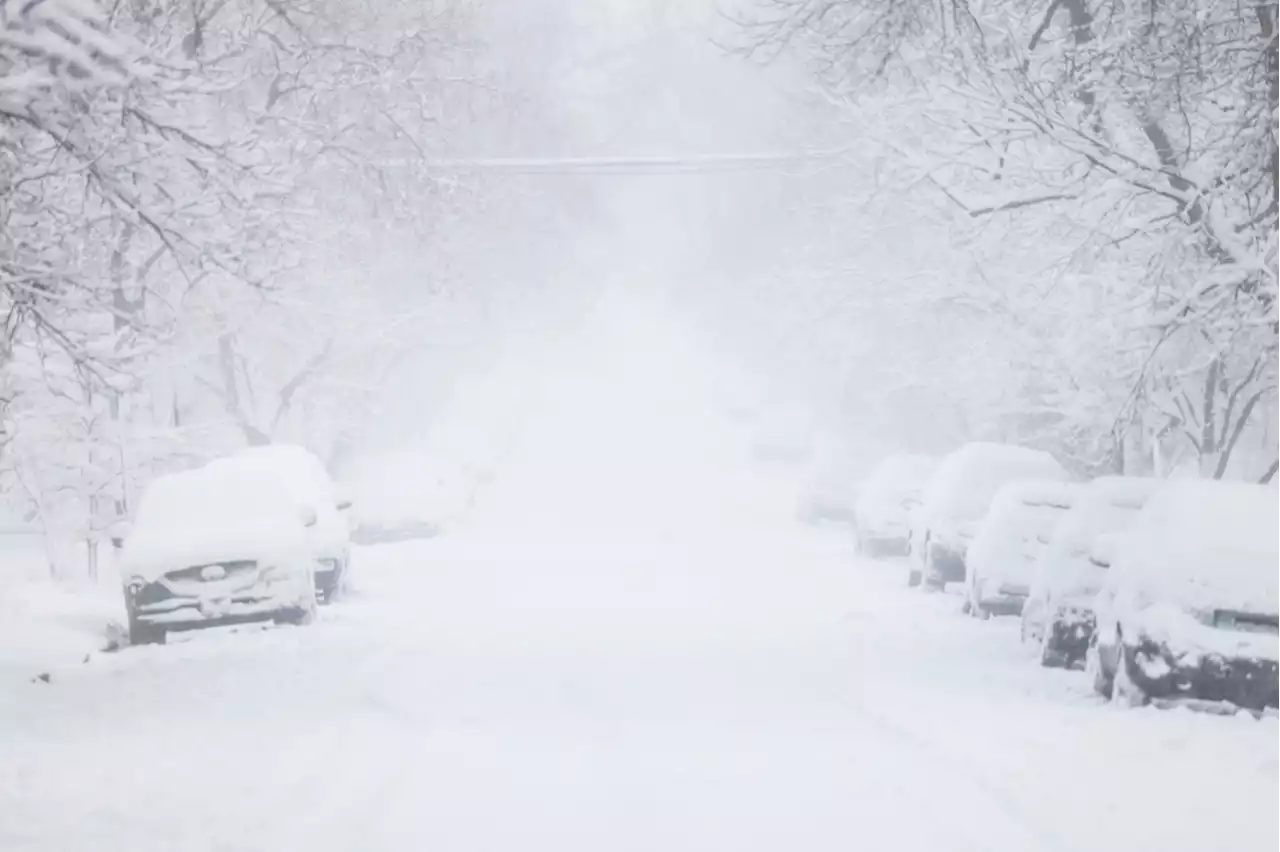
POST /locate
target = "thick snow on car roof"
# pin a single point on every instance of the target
(968, 479)
(1023, 515)
(1104, 505)
(1206, 543)
(907, 468)
(209, 492)
(289, 466)
(897, 476)
(210, 514)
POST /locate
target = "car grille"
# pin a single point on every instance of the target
(193, 574)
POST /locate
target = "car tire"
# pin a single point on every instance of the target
(298, 616)
(966, 607)
(326, 593)
(914, 577)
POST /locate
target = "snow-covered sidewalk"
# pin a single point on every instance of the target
(737, 687)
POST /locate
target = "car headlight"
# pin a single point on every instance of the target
(134, 586)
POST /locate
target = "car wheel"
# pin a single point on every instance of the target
(966, 608)
(1124, 690)
(914, 576)
(298, 616)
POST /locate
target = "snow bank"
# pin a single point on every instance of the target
(45, 624)
(1204, 545)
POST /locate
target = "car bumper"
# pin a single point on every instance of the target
(824, 512)
(1003, 603)
(886, 543)
(944, 565)
(377, 534)
(161, 608)
(1168, 677)
(1070, 631)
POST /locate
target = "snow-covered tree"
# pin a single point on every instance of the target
(1133, 147)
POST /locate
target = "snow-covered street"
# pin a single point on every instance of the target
(739, 686)
(639, 426)
(630, 644)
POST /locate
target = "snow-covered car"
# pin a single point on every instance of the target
(303, 476)
(783, 436)
(830, 488)
(403, 495)
(210, 546)
(886, 501)
(1000, 563)
(1189, 611)
(1058, 616)
(957, 498)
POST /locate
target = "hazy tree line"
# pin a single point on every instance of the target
(221, 223)
(1108, 175)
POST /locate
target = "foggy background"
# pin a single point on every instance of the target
(391, 226)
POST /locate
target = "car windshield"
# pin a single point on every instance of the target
(581, 425)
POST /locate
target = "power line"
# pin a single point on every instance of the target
(630, 165)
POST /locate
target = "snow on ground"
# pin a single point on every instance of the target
(732, 687)
(46, 624)
(619, 651)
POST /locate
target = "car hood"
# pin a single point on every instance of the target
(150, 554)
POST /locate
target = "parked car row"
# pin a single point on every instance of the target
(1163, 591)
(259, 535)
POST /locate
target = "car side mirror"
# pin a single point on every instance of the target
(342, 504)
(308, 516)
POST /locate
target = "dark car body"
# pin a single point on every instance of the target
(1244, 681)
(1190, 609)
